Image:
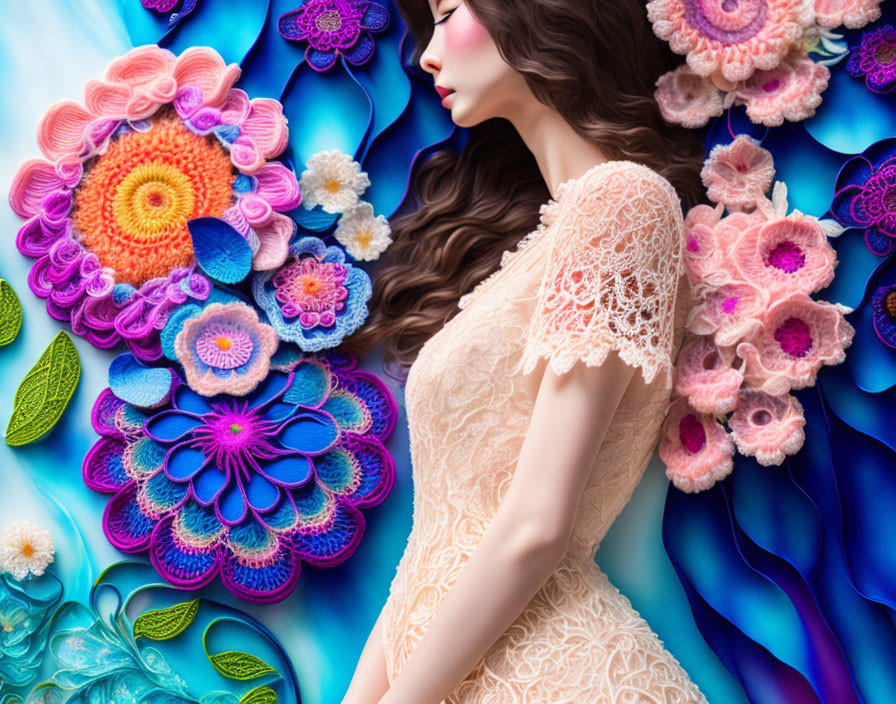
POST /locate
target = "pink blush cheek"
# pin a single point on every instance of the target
(464, 33)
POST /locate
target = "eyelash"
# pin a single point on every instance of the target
(445, 17)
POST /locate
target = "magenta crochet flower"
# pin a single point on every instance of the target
(798, 337)
(738, 173)
(705, 376)
(875, 59)
(695, 448)
(733, 37)
(767, 427)
(162, 140)
(789, 91)
(729, 313)
(333, 27)
(225, 349)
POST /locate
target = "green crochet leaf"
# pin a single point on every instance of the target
(162, 624)
(10, 313)
(44, 392)
(240, 666)
(259, 695)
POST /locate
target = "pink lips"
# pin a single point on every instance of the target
(443, 91)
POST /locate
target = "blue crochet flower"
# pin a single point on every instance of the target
(316, 298)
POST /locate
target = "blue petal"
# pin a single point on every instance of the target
(171, 426)
(262, 495)
(187, 400)
(361, 52)
(310, 433)
(174, 325)
(137, 384)
(221, 251)
(310, 385)
(183, 462)
(208, 484)
(320, 60)
(273, 386)
(290, 471)
(231, 506)
(376, 18)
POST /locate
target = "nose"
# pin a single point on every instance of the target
(430, 61)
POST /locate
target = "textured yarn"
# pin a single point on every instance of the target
(602, 271)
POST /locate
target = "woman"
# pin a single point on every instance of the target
(535, 409)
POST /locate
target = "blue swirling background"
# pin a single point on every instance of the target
(785, 568)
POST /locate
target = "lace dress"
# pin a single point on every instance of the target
(602, 271)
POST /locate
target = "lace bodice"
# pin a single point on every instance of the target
(601, 271)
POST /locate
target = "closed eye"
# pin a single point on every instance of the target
(450, 12)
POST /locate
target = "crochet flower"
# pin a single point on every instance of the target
(225, 349)
(730, 38)
(701, 254)
(738, 173)
(850, 13)
(332, 180)
(767, 427)
(875, 59)
(333, 27)
(364, 236)
(695, 448)
(687, 99)
(799, 336)
(246, 487)
(315, 299)
(705, 376)
(163, 6)
(883, 310)
(25, 549)
(863, 195)
(163, 140)
(730, 313)
(791, 90)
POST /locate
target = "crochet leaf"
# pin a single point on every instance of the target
(44, 392)
(10, 313)
(221, 251)
(240, 666)
(162, 624)
(260, 695)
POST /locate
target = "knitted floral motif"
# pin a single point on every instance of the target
(364, 236)
(789, 91)
(729, 312)
(246, 487)
(163, 6)
(316, 298)
(875, 59)
(706, 376)
(332, 180)
(695, 448)
(162, 140)
(849, 13)
(883, 309)
(225, 349)
(333, 27)
(686, 98)
(767, 427)
(864, 195)
(25, 549)
(738, 173)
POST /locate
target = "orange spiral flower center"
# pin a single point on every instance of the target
(132, 207)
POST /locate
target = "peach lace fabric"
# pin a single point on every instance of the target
(602, 271)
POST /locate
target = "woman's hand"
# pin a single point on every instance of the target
(370, 681)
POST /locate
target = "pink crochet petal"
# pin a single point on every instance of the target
(140, 66)
(736, 174)
(34, 180)
(706, 377)
(274, 243)
(850, 13)
(107, 99)
(731, 312)
(235, 108)
(148, 98)
(767, 427)
(798, 337)
(732, 228)
(246, 156)
(60, 131)
(687, 99)
(790, 91)
(266, 126)
(789, 254)
(695, 448)
(278, 186)
(255, 209)
(204, 68)
(701, 255)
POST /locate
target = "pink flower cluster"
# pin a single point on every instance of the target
(748, 52)
(756, 332)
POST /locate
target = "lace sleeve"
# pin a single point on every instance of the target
(612, 275)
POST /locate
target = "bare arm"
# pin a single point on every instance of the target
(528, 536)
(370, 681)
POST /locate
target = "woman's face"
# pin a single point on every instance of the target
(463, 58)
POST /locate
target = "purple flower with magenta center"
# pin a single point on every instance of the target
(333, 27)
(875, 59)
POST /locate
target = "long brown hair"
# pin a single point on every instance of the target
(596, 63)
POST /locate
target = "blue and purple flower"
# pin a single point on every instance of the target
(874, 57)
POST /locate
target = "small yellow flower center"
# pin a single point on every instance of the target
(311, 284)
(28, 550)
(223, 343)
(7, 627)
(236, 428)
(332, 185)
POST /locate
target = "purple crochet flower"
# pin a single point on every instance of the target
(246, 487)
(162, 6)
(865, 195)
(875, 58)
(332, 27)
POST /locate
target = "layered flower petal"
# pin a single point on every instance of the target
(738, 173)
(705, 375)
(695, 448)
(767, 427)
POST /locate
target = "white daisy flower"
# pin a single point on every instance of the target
(332, 180)
(364, 236)
(25, 548)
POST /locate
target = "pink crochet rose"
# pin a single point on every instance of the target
(684, 98)
(738, 173)
(730, 313)
(789, 91)
(695, 448)
(799, 336)
(850, 13)
(705, 376)
(701, 255)
(767, 427)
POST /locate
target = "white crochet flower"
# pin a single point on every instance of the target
(332, 180)
(364, 236)
(25, 548)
